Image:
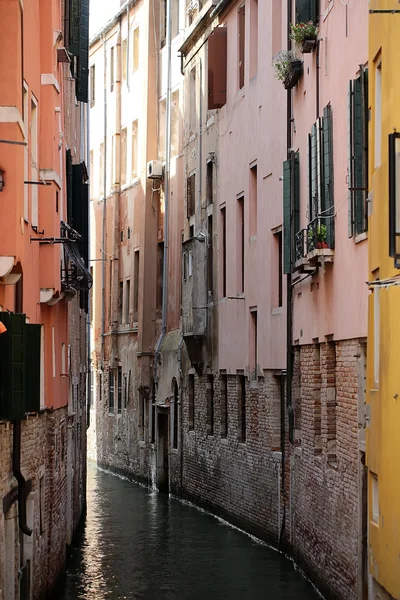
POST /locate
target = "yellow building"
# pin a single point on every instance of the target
(383, 372)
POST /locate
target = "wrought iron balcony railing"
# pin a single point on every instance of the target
(321, 233)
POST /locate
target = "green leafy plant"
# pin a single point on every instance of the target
(317, 237)
(303, 31)
(282, 63)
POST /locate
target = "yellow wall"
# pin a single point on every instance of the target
(383, 432)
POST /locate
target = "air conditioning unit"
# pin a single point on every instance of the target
(154, 169)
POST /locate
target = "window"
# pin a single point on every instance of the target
(136, 287)
(124, 59)
(358, 153)
(320, 232)
(190, 264)
(176, 414)
(174, 18)
(160, 278)
(276, 26)
(210, 257)
(34, 163)
(163, 22)
(241, 44)
(306, 10)
(191, 195)
(192, 102)
(278, 289)
(378, 113)
(374, 498)
(185, 266)
(134, 149)
(124, 135)
(210, 404)
(127, 303)
(125, 391)
(112, 68)
(240, 246)
(223, 251)
(241, 408)
(253, 38)
(101, 174)
(292, 235)
(394, 198)
(175, 121)
(191, 401)
(253, 201)
(92, 83)
(135, 49)
(110, 391)
(120, 301)
(224, 405)
(119, 382)
(141, 415)
(253, 343)
(210, 182)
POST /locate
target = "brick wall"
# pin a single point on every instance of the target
(325, 495)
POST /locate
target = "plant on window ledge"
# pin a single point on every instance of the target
(288, 68)
(304, 36)
(317, 237)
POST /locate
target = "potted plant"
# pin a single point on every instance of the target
(304, 36)
(288, 68)
(317, 237)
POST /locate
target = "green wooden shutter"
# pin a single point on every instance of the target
(307, 10)
(68, 175)
(350, 177)
(75, 15)
(33, 360)
(82, 91)
(12, 367)
(286, 217)
(313, 209)
(296, 194)
(358, 122)
(328, 175)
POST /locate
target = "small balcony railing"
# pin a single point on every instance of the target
(301, 244)
(316, 240)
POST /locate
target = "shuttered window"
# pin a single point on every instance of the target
(291, 189)
(111, 391)
(77, 31)
(191, 194)
(358, 154)
(394, 198)
(32, 360)
(307, 10)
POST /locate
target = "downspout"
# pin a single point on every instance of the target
(289, 295)
(103, 242)
(166, 193)
(16, 467)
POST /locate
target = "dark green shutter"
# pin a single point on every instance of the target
(313, 208)
(12, 367)
(286, 217)
(75, 15)
(328, 200)
(80, 207)
(296, 195)
(32, 358)
(307, 10)
(350, 175)
(68, 175)
(82, 84)
(358, 121)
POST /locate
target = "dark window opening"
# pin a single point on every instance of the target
(253, 344)
(176, 415)
(120, 300)
(223, 250)
(224, 406)
(119, 382)
(242, 44)
(241, 408)
(191, 195)
(136, 287)
(191, 401)
(160, 278)
(210, 183)
(110, 391)
(210, 405)
(210, 257)
(240, 246)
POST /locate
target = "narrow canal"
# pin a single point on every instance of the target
(143, 545)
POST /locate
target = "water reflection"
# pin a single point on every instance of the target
(141, 545)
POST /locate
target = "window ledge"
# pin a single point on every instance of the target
(277, 311)
(361, 237)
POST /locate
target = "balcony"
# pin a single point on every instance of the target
(194, 309)
(314, 245)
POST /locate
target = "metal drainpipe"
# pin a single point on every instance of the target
(104, 235)
(166, 192)
(16, 467)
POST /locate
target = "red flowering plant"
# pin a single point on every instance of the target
(303, 31)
